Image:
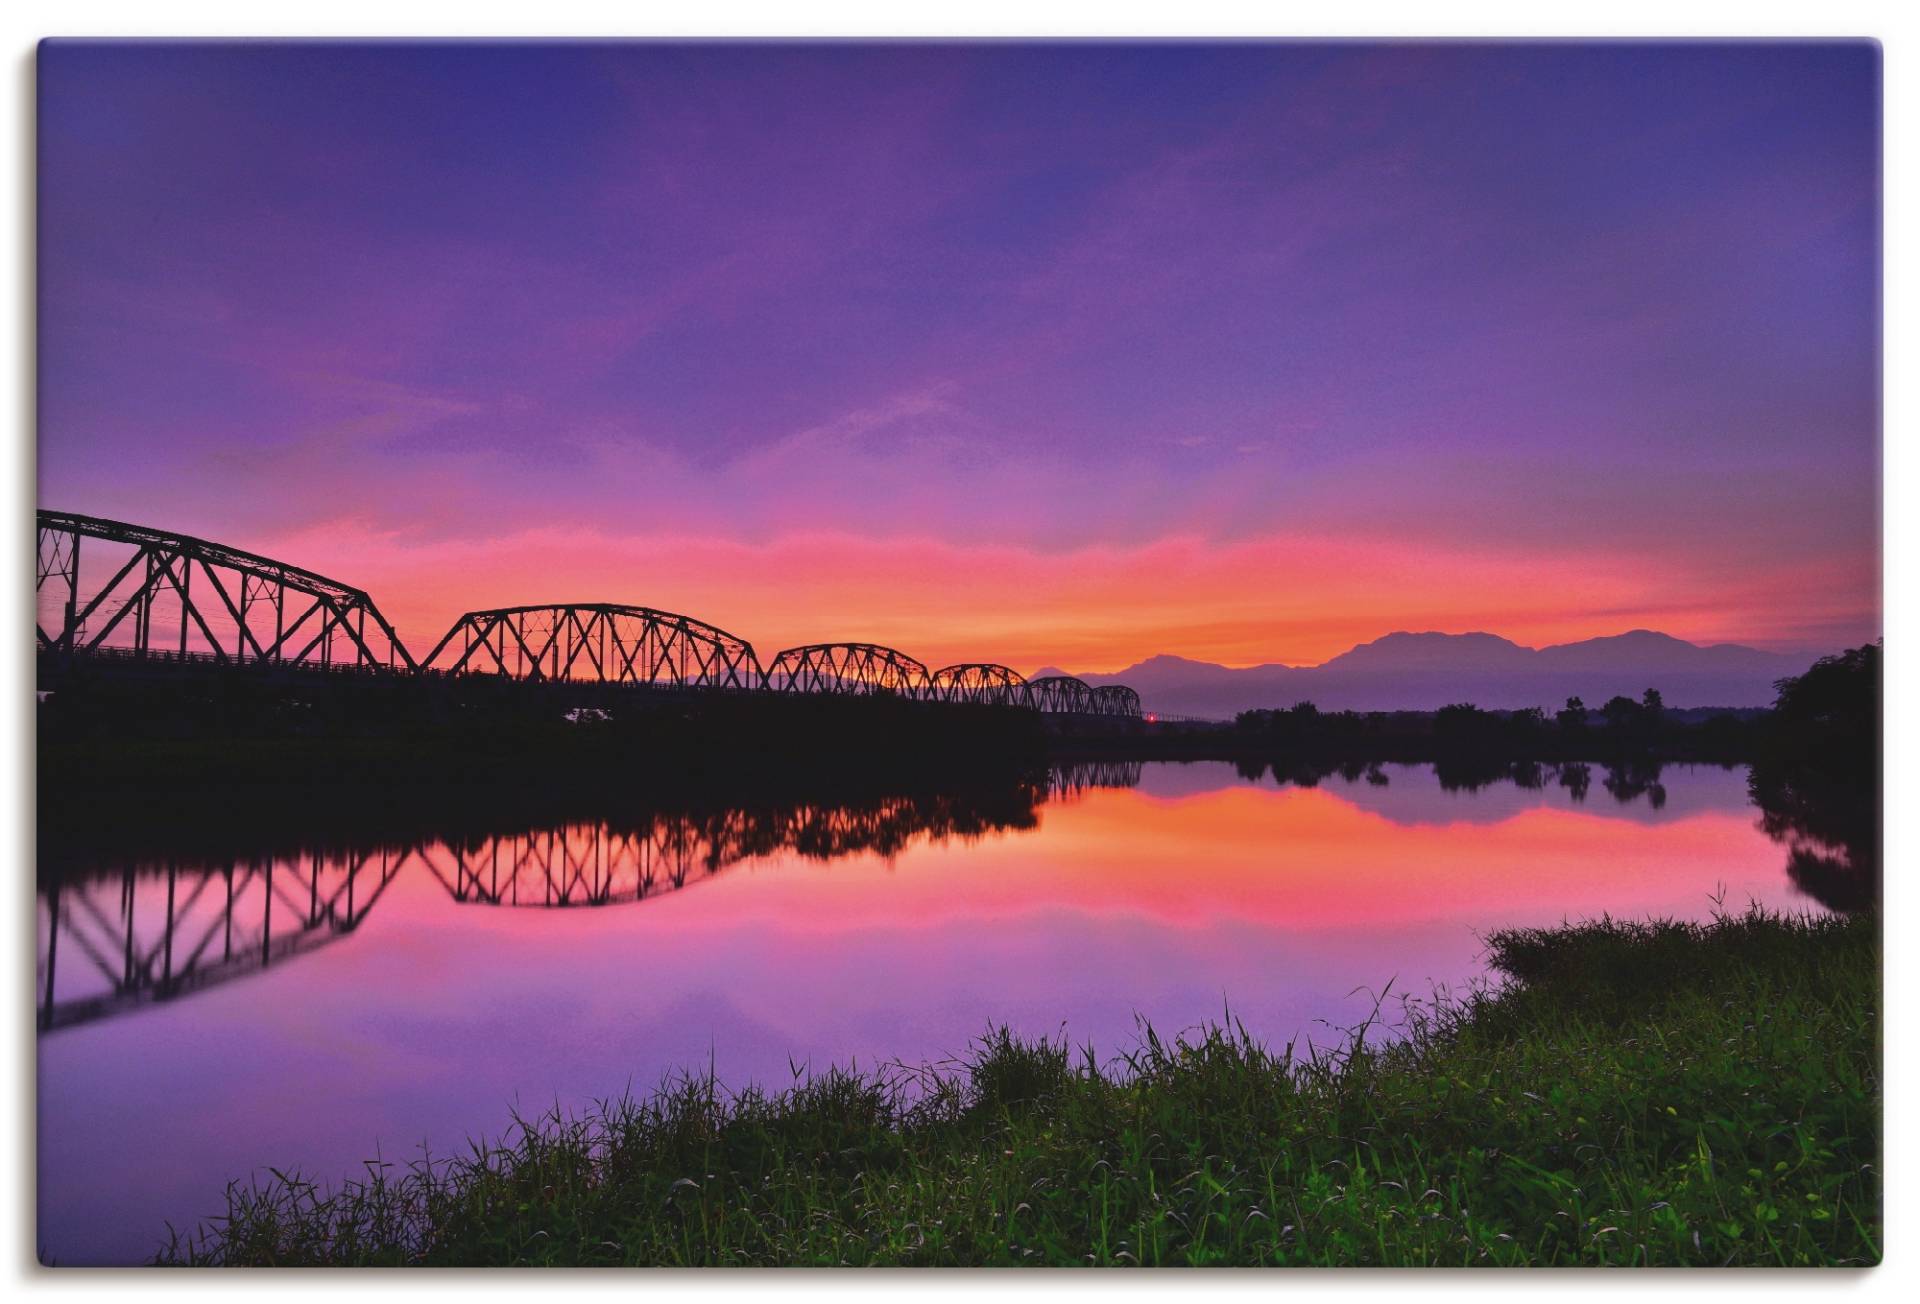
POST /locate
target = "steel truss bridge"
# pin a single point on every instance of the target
(152, 600)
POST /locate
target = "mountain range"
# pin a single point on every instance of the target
(1423, 672)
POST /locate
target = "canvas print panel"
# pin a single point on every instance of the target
(1254, 653)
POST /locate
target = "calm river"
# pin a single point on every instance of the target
(318, 1009)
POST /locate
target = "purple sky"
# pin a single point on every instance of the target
(1065, 354)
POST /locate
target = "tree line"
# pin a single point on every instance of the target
(1833, 709)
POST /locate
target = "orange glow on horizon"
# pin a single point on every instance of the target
(1296, 600)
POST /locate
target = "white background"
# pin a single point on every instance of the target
(25, 23)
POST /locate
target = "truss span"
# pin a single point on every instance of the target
(848, 669)
(1062, 694)
(141, 592)
(1117, 700)
(597, 642)
(978, 682)
(1067, 695)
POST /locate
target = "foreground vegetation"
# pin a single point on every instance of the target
(1658, 1093)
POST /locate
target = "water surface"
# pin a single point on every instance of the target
(323, 1007)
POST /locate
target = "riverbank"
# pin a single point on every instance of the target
(1638, 1094)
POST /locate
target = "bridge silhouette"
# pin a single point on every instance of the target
(148, 601)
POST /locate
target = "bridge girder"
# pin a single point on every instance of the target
(848, 669)
(979, 682)
(1061, 693)
(597, 642)
(219, 622)
(1116, 700)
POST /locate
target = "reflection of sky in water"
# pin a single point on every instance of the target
(1194, 891)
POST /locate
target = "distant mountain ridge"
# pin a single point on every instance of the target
(1425, 671)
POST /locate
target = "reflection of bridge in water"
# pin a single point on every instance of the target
(599, 864)
(575, 865)
(1073, 779)
(118, 939)
(154, 933)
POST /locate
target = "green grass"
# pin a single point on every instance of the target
(1658, 1093)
